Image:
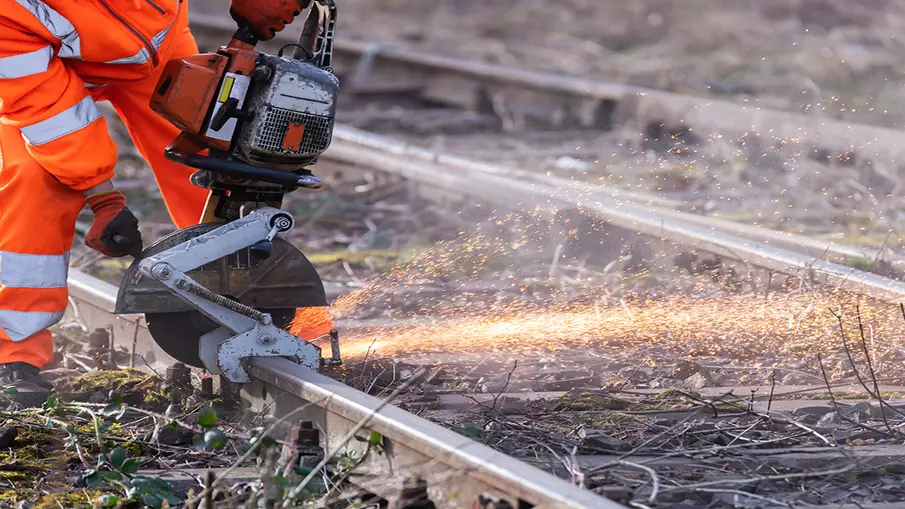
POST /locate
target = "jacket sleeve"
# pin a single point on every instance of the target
(49, 104)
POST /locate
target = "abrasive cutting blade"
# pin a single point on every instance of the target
(179, 334)
(277, 285)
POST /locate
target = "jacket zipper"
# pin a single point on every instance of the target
(155, 6)
(144, 41)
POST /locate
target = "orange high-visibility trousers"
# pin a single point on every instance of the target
(38, 214)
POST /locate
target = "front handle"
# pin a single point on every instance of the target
(244, 170)
(244, 38)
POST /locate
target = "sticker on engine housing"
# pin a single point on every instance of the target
(234, 86)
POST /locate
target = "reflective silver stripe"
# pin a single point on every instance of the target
(19, 325)
(158, 39)
(92, 85)
(26, 64)
(138, 58)
(59, 26)
(61, 124)
(33, 271)
(144, 55)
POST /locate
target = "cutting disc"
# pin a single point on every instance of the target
(278, 285)
(179, 334)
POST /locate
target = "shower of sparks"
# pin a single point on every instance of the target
(782, 329)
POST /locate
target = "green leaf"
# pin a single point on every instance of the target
(112, 476)
(375, 438)
(152, 492)
(207, 417)
(115, 398)
(146, 484)
(214, 439)
(470, 430)
(92, 477)
(152, 500)
(130, 466)
(51, 403)
(108, 501)
(114, 410)
(10, 390)
(117, 457)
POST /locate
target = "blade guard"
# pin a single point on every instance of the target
(284, 280)
(223, 253)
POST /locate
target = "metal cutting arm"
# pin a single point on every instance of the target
(245, 331)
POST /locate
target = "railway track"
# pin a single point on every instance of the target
(458, 471)
(453, 463)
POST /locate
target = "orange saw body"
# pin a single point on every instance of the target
(252, 123)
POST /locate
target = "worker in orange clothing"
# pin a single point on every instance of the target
(58, 58)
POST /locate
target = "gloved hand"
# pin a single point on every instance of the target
(114, 232)
(266, 17)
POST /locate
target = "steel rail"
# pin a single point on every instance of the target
(348, 136)
(369, 150)
(457, 470)
(452, 464)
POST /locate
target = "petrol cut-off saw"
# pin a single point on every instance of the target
(225, 289)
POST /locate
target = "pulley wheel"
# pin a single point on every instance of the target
(179, 334)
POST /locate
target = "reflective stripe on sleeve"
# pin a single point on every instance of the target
(26, 64)
(56, 24)
(68, 121)
(33, 271)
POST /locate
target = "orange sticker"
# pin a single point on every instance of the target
(293, 138)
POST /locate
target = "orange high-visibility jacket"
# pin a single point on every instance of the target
(52, 51)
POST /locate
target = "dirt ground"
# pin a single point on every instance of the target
(835, 58)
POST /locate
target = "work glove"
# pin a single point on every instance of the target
(114, 232)
(266, 17)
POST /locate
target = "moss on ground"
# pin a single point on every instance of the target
(612, 422)
(590, 401)
(136, 387)
(69, 499)
(670, 399)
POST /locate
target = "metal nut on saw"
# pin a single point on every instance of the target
(264, 339)
(162, 271)
(282, 222)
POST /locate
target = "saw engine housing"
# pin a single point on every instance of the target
(259, 114)
(251, 123)
(294, 116)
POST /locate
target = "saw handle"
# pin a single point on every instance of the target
(244, 170)
(244, 36)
